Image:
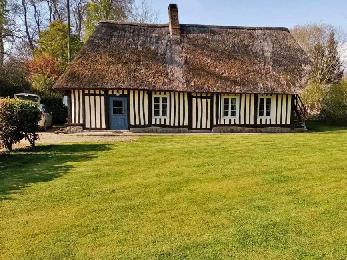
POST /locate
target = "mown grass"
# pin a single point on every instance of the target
(200, 197)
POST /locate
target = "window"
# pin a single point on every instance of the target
(230, 107)
(117, 107)
(264, 107)
(160, 106)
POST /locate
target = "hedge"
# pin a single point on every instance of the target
(18, 120)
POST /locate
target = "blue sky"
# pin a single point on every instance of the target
(287, 13)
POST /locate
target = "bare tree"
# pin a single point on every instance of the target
(78, 12)
(143, 13)
(36, 15)
(3, 19)
(321, 43)
(26, 25)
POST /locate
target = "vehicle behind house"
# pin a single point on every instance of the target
(46, 118)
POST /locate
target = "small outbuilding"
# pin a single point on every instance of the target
(186, 77)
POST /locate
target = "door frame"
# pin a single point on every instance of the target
(107, 105)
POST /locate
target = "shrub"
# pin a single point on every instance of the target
(334, 106)
(55, 106)
(18, 120)
(312, 97)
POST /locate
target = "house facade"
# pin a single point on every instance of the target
(179, 77)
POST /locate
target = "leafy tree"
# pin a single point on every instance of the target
(54, 41)
(44, 70)
(13, 78)
(334, 106)
(98, 10)
(312, 97)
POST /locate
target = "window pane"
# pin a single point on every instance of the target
(118, 110)
(117, 103)
(156, 112)
(225, 106)
(156, 100)
(233, 113)
(156, 106)
(261, 106)
(117, 107)
(226, 101)
(164, 110)
(268, 106)
(233, 101)
(225, 112)
(164, 100)
(233, 104)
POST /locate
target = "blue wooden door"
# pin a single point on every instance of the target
(118, 110)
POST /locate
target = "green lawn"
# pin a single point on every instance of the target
(200, 197)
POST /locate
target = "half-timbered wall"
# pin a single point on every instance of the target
(177, 110)
(94, 107)
(245, 107)
(196, 111)
(201, 111)
(77, 107)
(138, 104)
(281, 107)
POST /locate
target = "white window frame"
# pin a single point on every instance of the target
(229, 112)
(264, 116)
(160, 106)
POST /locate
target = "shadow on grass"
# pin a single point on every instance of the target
(317, 126)
(45, 163)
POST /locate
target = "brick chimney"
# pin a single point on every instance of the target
(174, 24)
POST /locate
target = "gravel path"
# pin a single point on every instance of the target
(52, 138)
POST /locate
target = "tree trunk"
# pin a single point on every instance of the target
(68, 32)
(2, 47)
(2, 31)
(26, 24)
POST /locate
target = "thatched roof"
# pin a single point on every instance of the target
(202, 59)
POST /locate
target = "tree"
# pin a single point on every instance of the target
(6, 27)
(334, 69)
(142, 13)
(78, 8)
(53, 42)
(3, 20)
(321, 44)
(13, 78)
(309, 35)
(98, 10)
(334, 105)
(313, 96)
(326, 63)
(317, 55)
